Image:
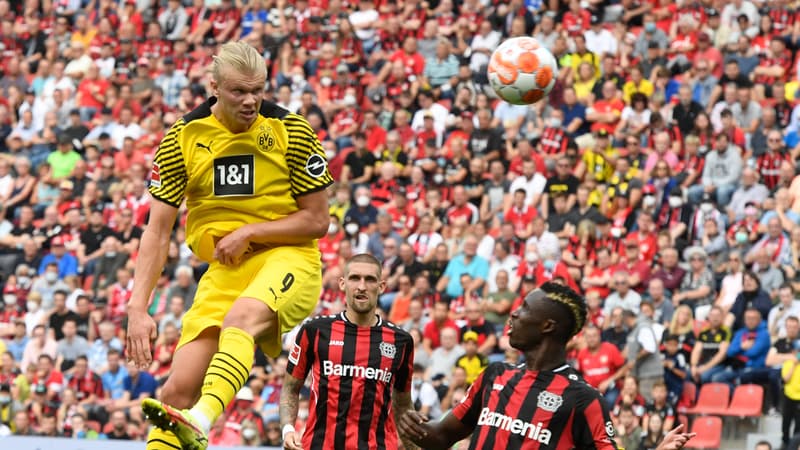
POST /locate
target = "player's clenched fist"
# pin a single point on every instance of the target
(414, 425)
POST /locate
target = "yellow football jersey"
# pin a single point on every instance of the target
(233, 179)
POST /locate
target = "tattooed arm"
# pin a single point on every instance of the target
(290, 394)
(401, 402)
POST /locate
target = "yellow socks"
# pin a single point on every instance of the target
(227, 373)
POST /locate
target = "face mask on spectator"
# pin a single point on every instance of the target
(741, 237)
(549, 265)
(706, 207)
(616, 232)
(50, 277)
(248, 433)
(302, 414)
(417, 382)
(10, 299)
(362, 201)
(648, 201)
(325, 81)
(5, 399)
(32, 306)
(531, 257)
(351, 228)
(332, 228)
(650, 27)
(751, 211)
(675, 202)
(555, 122)
(330, 154)
(111, 254)
(438, 178)
(297, 78)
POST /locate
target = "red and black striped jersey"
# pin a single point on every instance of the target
(511, 407)
(353, 371)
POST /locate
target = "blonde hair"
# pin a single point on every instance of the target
(675, 327)
(239, 56)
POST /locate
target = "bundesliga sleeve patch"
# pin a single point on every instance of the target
(155, 176)
(294, 355)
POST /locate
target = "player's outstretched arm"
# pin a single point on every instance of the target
(675, 439)
(432, 436)
(290, 394)
(152, 255)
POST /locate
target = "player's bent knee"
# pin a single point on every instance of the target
(251, 316)
(179, 395)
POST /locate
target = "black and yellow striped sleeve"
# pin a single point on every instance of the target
(168, 177)
(308, 166)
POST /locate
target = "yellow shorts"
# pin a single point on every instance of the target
(288, 279)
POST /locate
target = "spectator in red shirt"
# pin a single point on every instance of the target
(431, 335)
(601, 364)
(646, 237)
(88, 387)
(462, 212)
(605, 113)
(632, 263)
(520, 215)
(163, 351)
(329, 244)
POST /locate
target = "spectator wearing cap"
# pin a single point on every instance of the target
(598, 39)
(472, 361)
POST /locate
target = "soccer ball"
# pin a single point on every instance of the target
(522, 71)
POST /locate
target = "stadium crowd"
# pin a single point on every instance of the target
(659, 179)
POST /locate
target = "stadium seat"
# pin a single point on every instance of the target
(747, 401)
(709, 433)
(683, 419)
(688, 396)
(714, 399)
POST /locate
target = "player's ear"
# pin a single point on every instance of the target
(382, 286)
(549, 326)
(341, 283)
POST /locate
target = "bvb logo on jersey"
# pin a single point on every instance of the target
(265, 139)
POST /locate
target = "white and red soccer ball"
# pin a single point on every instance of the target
(522, 71)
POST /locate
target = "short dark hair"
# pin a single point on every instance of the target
(364, 258)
